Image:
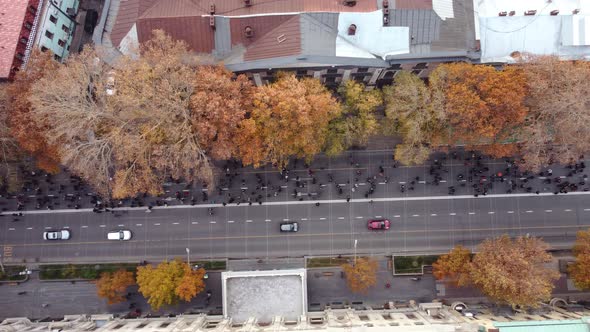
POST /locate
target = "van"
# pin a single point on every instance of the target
(120, 235)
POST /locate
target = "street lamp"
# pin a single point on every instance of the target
(355, 243)
(188, 259)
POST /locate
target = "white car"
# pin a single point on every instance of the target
(120, 235)
(63, 234)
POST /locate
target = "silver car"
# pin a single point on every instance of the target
(120, 235)
(63, 234)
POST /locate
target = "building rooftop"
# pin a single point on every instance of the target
(12, 13)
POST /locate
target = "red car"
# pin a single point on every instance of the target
(376, 224)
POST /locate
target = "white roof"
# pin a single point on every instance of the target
(371, 37)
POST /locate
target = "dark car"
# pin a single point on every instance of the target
(378, 224)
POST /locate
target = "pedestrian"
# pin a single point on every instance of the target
(317, 204)
(348, 198)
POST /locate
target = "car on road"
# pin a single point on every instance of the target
(289, 227)
(378, 224)
(62, 234)
(120, 235)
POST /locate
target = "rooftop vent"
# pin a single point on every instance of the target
(385, 20)
(575, 11)
(352, 30)
(512, 13)
(349, 3)
(530, 12)
(385, 3)
(212, 21)
(249, 32)
(385, 11)
(212, 8)
(502, 13)
(247, 3)
(554, 12)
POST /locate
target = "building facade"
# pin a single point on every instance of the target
(56, 27)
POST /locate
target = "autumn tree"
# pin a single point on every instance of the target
(454, 267)
(217, 106)
(361, 274)
(580, 270)
(415, 112)
(25, 126)
(289, 118)
(357, 121)
(512, 271)
(483, 106)
(113, 285)
(10, 152)
(169, 282)
(559, 101)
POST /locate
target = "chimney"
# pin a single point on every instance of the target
(212, 8)
(385, 20)
(502, 13)
(385, 3)
(554, 12)
(247, 3)
(530, 12)
(575, 11)
(349, 3)
(512, 13)
(249, 32)
(212, 21)
(351, 30)
(385, 11)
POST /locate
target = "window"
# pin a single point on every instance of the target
(61, 42)
(44, 49)
(24, 41)
(48, 34)
(53, 19)
(28, 25)
(32, 10)
(20, 56)
(65, 28)
(57, 58)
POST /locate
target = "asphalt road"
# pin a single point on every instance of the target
(429, 224)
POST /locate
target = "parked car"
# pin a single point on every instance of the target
(378, 224)
(63, 234)
(289, 227)
(120, 235)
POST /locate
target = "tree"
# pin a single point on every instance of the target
(412, 110)
(513, 272)
(289, 118)
(484, 106)
(360, 276)
(169, 282)
(357, 121)
(218, 105)
(25, 126)
(559, 100)
(10, 152)
(580, 270)
(113, 285)
(454, 266)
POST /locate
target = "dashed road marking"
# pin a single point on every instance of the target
(121, 225)
(452, 214)
(47, 227)
(433, 214)
(340, 218)
(567, 210)
(322, 218)
(157, 224)
(303, 219)
(230, 221)
(84, 226)
(359, 217)
(415, 215)
(548, 210)
(285, 219)
(102, 226)
(378, 217)
(510, 212)
(29, 228)
(267, 220)
(138, 224)
(529, 211)
(175, 223)
(194, 222)
(491, 212)
(472, 213)
(586, 209)
(248, 220)
(11, 229)
(213, 222)
(66, 227)
(397, 216)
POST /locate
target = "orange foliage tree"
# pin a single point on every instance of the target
(580, 270)
(113, 285)
(361, 275)
(289, 118)
(454, 267)
(483, 106)
(25, 127)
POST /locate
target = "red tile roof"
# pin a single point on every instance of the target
(413, 4)
(12, 14)
(283, 40)
(261, 25)
(194, 30)
(236, 7)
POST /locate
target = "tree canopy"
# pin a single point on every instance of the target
(362, 275)
(113, 285)
(580, 270)
(454, 267)
(169, 282)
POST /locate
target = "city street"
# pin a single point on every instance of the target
(427, 225)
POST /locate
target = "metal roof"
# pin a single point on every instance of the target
(283, 40)
(572, 325)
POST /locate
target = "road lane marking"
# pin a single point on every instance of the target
(548, 210)
(11, 229)
(121, 225)
(213, 222)
(510, 212)
(586, 209)
(230, 221)
(433, 214)
(195, 222)
(567, 210)
(174, 223)
(452, 214)
(138, 225)
(397, 216)
(529, 211)
(47, 227)
(491, 212)
(102, 226)
(29, 228)
(471, 212)
(340, 217)
(267, 220)
(378, 217)
(415, 215)
(359, 217)
(322, 218)
(84, 226)
(248, 220)
(303, 219)
(157, 224)
(285, 219)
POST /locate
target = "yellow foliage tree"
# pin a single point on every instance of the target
(580, 270)
(113, 285)
(513, 272)
(169, 282)
(362, 275)
(454, 266)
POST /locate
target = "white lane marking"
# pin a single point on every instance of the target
(433, 214)
(397, 216)
(510, 212)
(586, 209)
(548, 210)
(471, 212)
(267, 220)
(442, 181)
(303, 219)
(359, 217)
(195, 222)
(138, 225)
(378, 217)
(491, 212)
(382, 182)
(11, 229)
(213, 222)
(175, 223)
(47, 227)
(121, 225)
(567, 210)
(562, 177)
(102, 226)
(341, 218)
(529, 211)
(452, 214)
(403, 182)
(230, 221)
(157, 224)
(66, 227)
(422, 182)
(415, 215)
(248, 220)
(322, 218)
(29, 228)
(84, 226)
(285, 219)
